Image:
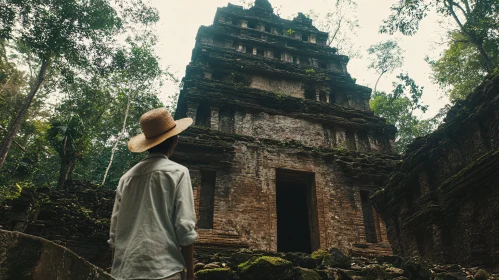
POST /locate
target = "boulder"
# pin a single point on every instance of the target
(308, 274)
(333, 258)
(213, 265)
(444, 276)
(416, 269)
(301, 260)
(396, 261)
(374, 272)
(215, 274)
(481, 275)
(266, 268)
(198, 266)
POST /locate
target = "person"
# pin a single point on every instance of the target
(153, 220)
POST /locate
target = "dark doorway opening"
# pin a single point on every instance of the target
(207, 199)
(297, 222)
(367, 211)
(203, 115)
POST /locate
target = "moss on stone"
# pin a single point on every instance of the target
(416, 269)
(320, 254)
(374, 272)
(301, 260)
(333, 258)
(308, 274)
(265, 268)
(215, 274)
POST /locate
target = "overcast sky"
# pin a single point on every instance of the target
(180, 20)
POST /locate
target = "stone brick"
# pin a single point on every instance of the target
(286, 117)
(442, 202)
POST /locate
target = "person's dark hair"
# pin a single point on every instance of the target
(164, 146)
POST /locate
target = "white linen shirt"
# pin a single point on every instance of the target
(153, 215)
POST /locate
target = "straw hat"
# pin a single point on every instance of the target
(157, 126)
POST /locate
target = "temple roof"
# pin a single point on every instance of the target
(265, 5)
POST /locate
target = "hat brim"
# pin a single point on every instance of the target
(140, 143)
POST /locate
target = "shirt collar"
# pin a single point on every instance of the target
(155, 155)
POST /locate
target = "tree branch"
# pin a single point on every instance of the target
(336, 31)
(466, 15)
(5, 85)
(467, 5)
(472, 38)
(15, 142)
(449, 4)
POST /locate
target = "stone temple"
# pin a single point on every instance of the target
(285, 151)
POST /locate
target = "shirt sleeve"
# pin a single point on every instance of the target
(185, 215)
(114, 217)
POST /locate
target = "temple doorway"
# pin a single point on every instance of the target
(297, 223)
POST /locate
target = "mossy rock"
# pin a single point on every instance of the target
(481, 275)
(301, 260)
(199, 266)
(324, 274)
(308, 274)
(266, 268)
(416, 269)
(396, 261)
(334, 274)
(375, 272)
(215, 274)
(333, 258)
(239, 257)
(444, 276)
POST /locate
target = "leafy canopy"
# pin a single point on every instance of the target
(473, 46)
(400, 107)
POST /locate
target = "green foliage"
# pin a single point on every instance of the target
(62, 36)
(473, 43)
(310, 71)
(10, 191)
(399, 108)
(385, 57)
(460, 70)
(92, 78)
(290, 32)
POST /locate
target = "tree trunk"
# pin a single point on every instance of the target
(67, 167)
(376, 85)
(486, 58)
(115, 146)
(21, 115)
(487, 63)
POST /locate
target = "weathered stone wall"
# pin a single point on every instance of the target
(443, 202)
(245, 190)
(289, 87)
(76, 217)
(305, 131)
(28, 257)
(274, 108)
